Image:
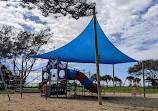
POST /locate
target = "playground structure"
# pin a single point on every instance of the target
(94, 47)
(12, 81)
(60, 86)
(30, 85)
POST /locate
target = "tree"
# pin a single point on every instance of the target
(94, 77)
(106, 78)
(154, 82)
(28, 44)
(22, 46)
(76, 8)
(150, 69)
(119, 81)
(136, 81)
(116, 79)
(130, 79)
(5, 42)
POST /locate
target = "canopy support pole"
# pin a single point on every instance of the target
(113, 80)
(97, 58)
(21, 88)
(143, 78)
(66, 77)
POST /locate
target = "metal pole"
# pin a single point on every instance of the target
(21, 88)
(113, 80)
(42, 83)
(97, 58)
(66, 77)
(85, 74)
(143, 78)
(58, 71)
(49, 77)
(46, 86)
(4, 84)
(74, 88)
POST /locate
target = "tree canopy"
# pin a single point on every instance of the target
(20, 46)
(76, 8)
(5, 42)
(117, 80)
(150, 68)
(136, 80)
(106, 78)
(94, 77)
(130, 78)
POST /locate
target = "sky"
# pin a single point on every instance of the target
(131, 25)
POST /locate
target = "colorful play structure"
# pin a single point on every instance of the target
(57, 87)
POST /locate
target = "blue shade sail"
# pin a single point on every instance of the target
(82, 49)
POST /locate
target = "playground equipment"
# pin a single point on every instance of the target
(91, 46)
(15, 83)
(11, 80)
(3, 81)
(60, 87)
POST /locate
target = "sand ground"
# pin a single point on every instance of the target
(119, 102)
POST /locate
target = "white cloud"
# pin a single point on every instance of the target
(141, 40)
(138, 31)
(13, 15)
(152, 13)
(114, 16)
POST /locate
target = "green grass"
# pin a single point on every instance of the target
(31, 89)
(78, 89)
(140, 90)
(3, 91)
(18, 90)
(149, 90)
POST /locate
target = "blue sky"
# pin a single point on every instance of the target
(120, 69)
(131, 25)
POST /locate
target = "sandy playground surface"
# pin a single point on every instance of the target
(119, 102)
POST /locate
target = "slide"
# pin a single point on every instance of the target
(88, 84)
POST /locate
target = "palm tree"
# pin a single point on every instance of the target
(94, 77)
(106, 78)
(115, 80)
(136, 80)
(120, 81)
(130, 79)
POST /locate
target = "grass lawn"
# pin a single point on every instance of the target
(24, 90)
(3, 91)
(149, 90)
(34, 89)
(140, 90)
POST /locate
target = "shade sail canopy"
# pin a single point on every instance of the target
(82, 49)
